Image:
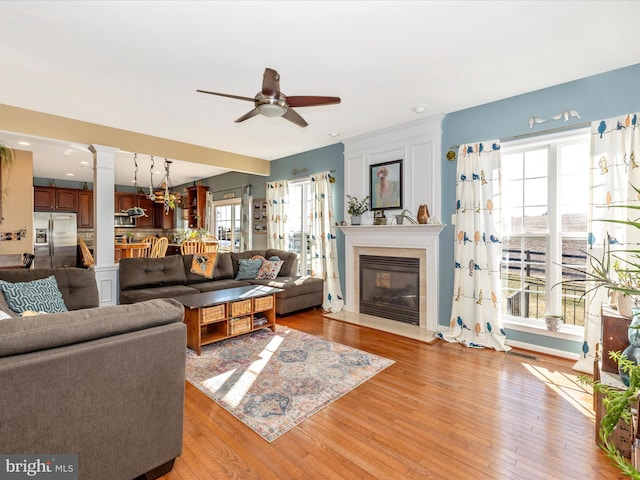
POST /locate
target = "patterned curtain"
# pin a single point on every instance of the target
(277, 202)
(324, 253)
(615, 158)
(476, 318)
(246, 231)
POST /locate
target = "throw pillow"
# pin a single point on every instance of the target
(248, 268)
(4, 308)
(204, 264)
(38, 295)
(270, 268)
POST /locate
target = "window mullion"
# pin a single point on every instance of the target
(554, 240)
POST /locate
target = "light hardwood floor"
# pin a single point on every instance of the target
(441, 411)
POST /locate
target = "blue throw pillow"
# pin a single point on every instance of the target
(248, 268)
(38, 295)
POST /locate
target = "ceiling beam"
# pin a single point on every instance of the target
(31, 122)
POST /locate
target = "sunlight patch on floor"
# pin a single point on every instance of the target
(238, 390)
(567, 386)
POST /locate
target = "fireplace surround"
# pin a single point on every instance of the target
(403, 241)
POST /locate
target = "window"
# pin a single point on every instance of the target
(298, 225)
(545, 190)
(227, 220)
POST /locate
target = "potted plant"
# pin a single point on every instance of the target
(404, 214)
(618, 404)
(356, 208)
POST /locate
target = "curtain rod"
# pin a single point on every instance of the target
(299, 176)
(564, 128)
(232, 188)
(539, 133)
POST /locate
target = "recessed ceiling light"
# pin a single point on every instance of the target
(26, 144)
(84, 163)
(69, 174)
(421, 108)
(334, 134)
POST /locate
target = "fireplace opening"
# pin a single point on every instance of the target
(390, 287)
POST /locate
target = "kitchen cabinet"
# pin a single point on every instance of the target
(125, 201)
(196, 204)
(44, 199)
(52, 199)
(66, 199)
(149, 209)
(162, 220)
(85, 209)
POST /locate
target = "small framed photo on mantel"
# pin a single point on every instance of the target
(385, 185)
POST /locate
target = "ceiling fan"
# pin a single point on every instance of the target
(271, 102)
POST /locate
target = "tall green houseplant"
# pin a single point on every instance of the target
(617, 271)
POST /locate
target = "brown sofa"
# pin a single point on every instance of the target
(141, 279)
(103, 383)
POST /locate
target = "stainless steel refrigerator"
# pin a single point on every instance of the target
(56, 239)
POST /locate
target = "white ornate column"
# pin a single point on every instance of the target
(103, 207)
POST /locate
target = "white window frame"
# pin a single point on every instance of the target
(553, 235)
(304, 261)
(227, 203)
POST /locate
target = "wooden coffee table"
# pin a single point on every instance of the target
(214, 316)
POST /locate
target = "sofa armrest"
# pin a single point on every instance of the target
(109, 401)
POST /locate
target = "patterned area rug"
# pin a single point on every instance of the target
(272, 381)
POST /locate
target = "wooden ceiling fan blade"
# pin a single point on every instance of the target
(237, 97)
(294, 117)
(311, 101)
(248, 115)
(270, 83)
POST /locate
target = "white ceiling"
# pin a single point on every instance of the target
(136, 65)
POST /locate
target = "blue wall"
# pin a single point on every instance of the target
(594, 98)
(289, 168)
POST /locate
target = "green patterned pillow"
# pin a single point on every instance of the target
(248, 268)
(38, 295)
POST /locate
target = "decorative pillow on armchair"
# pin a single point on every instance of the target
(270, 268)
(204, 264)
(38, 295)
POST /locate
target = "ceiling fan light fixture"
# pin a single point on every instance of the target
(272, 109)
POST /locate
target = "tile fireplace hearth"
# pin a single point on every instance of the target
(403, 241)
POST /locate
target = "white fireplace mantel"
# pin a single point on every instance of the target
(388, 237)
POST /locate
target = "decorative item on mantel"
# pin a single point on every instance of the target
(423, 215)
(402, 215)
(379, 218)
(356, 208)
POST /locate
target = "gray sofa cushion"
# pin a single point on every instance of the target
(44, 332)
(219, 285)
(143, 294)
(151, 272)
(77, 285)
(293, 286)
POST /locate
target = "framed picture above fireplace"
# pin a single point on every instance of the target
(385, 185)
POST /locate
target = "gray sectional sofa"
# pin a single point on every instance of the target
(102, 383)
(142, 279)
